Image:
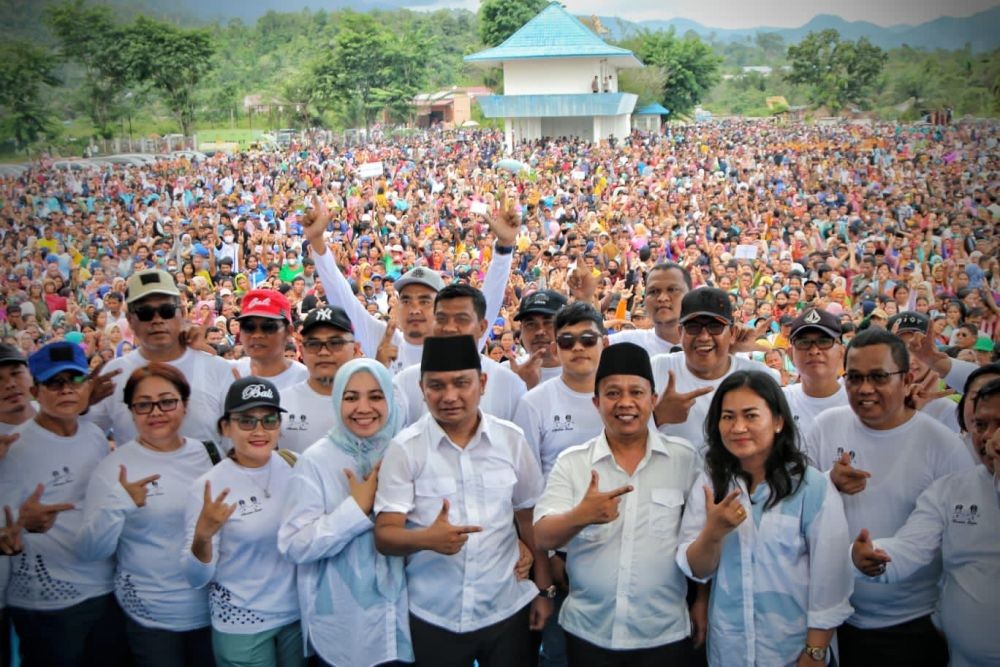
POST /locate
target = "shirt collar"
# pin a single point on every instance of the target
(438, 437)
(654, 443)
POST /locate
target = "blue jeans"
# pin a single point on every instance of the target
(553, 638)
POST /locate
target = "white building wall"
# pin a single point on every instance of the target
(556, 76)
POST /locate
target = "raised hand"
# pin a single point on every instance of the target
(673, 406)
(5, 442)
(363, 491)
(599, 506)
(746, 339)
(922, 392)
(722, 518)
(866, 557)
(846, 478)
(314, 223)
(506, 222)
(11, 543)
(530, 371)
(37, 517)
(387, 351)
(214, 514)
(136, 490)
(102, 386)
(445, 538)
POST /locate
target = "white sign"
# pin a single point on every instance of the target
(370, 170)
(746, 252)
(478, 208)
(577, 175)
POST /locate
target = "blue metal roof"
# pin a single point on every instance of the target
(554, 33)
(654, 109)
(546, 106)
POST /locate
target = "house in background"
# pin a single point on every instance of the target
(559, 80)
(650, 117)
(452, 106)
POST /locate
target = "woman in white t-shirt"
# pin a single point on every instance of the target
(233, 547)
(353, 599)
(134, 511)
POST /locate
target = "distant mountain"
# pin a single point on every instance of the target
(981, 31)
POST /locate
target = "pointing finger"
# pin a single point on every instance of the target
(700, 391)
(8, 514)
(146, 480)
(620, 491)
(468, 529)
(58, 507)
(731, 497)
(670, 383)
(122, 475)
(593, 479)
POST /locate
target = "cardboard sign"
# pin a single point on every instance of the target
(370, 170)
(479, 208)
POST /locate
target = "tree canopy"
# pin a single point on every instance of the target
(499, 19)
(836, 72)
(688, 67)
(24, 70)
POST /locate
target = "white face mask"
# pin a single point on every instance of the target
(228, 238)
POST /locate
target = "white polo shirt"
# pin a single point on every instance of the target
(625, 591)
(485, 482)
(903, 461)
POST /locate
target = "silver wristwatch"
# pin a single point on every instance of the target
(817, 653)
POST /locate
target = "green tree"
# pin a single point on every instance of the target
(24, 70)
(171, 60)
(499, 19)
(689, 66)
(91, 37)
(836, 72)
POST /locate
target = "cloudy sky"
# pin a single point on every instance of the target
(776, 13)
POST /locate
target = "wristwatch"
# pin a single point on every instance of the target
(817, 653)
(549, 592)
(503, 249)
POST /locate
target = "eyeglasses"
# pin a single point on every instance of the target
(803, 344)
(695, 328)
(166, 311)
(268, 327)
(271, 422)
(146, 407)
(877, 378)
(333, 344)
(60, 382)
(567, 341)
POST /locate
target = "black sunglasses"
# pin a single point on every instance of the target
(268, 327)
(694, 328)
(166, 311)
(566, 341)
(60, 382)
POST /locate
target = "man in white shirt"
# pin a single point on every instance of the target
(956, 519)
(614, 504)
(690, 377)
(326, 343)
(666, 285)
(451, 488)
(265, 329)
(536, 313)
(156, 319)
(818, 357)
(910, 325)
(882, 455)
(460, 310)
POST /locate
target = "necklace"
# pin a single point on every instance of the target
(266, 489)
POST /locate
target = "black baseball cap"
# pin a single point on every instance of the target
(817, 319)
(333, 316)
(252, 392)
(542, 302)
(910, 320)
(707, 302)
(10, 354)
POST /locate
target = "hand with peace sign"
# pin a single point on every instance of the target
(136, 490)
(214, 515)
(387, 351)
(531, 370)
(506, 223)
(37, 517)
(101, 386)
(746, 339)
(11, 543)
(599, 506)
(673, 406)
(444, 537)
(922, 392)
(363, 491)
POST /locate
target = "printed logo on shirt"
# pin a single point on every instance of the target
(154, 488)
(61, 477)
(248, 506)
(564, 423)
(850, 452)
(293, 423)
(965, 516)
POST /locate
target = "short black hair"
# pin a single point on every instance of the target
(463, 291)
(990, 389)
(575, 313)
(672, 266)
(879, 336)
(988, 369)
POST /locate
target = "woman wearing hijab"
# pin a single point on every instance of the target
(231, 518)
(353, 599)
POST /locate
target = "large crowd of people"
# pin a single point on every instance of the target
(723, 394)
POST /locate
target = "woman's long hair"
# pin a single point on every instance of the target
(785, 467)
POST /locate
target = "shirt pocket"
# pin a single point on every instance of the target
(665, 512)
(430, 492)
(498, 493)
(782, 534)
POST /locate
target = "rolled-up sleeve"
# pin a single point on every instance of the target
(831, 579)
(558, 497)
(692, 524)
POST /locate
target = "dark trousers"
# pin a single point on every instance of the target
(153, 647)
(503, 644)
(6, 659)
(916, 643)
(582, 653)
(84, 635)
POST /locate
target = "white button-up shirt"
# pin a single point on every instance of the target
(958, 518)
(485, 482)
(625, 590)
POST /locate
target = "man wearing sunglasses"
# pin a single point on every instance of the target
(882, 454)
(156, 319)
(818, 357)
(326, 343)
(690, 377)
(265, 329)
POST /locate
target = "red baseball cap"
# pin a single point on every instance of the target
(267, 303)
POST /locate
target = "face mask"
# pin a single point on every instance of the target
(228, 238)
